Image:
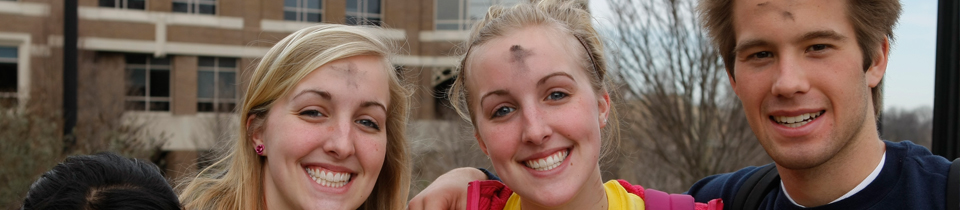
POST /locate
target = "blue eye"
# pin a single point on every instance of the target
(311, 113)
(502, 111)
(368, 123)
(557, 96)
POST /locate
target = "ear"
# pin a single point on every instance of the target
(480, 141)
(603, 106)
(256, 133)
(879, 66)
(733, 81)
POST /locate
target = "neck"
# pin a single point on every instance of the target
(591, 195)
(826, 182)
(272, 199)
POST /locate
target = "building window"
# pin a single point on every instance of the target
(461, 14)
(363, 12)
(8, 76)
(216, 84)
(195, 6)
(124, 4)
(148, 83)
(303, 10)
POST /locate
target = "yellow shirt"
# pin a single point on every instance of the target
(617, 198)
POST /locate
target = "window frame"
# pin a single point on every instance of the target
(463, 21)
(363, 16)
(17, 62)
(193, 6)
(123, 4)
(147, 98)
(21, 41)
(301, 11)
(216, 69)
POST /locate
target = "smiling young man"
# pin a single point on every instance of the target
(808, 74)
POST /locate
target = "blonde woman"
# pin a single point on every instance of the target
(323, 128)
(534, 84)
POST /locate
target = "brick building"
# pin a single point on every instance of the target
(180, 64)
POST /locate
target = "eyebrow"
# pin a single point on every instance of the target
(541, 82)
(544, 79)
(366, 104)
(822, 34)
(323, 94)
(326, 96)
(495, 92)
(751, 43)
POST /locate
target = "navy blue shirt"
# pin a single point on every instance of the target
(911, 178)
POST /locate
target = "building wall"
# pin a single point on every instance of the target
(243, 29)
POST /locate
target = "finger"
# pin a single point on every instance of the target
(415, 204)
(439, 204)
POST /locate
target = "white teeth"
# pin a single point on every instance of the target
(549, 162)
(796, 121)
(328, 178)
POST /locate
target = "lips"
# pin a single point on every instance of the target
(797, 120)
(549, 162)
(328, 178)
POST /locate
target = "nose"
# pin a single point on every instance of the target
(791, 78)
(339, 141)
(535, 128)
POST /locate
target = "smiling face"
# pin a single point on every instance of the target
(325, 141)
(537, 116)
(799, 74)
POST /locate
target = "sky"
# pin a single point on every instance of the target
(909, 81)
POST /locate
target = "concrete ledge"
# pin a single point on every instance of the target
(283, 26)
(24, 8)
(140, 16)
(434, 36)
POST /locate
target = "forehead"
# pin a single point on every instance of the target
(779, 16)
(354, 77)
(524, 51)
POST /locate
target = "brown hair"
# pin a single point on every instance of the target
(568, 16)
(873, 20)
(235, 180)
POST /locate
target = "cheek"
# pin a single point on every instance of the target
(287, 139)
(373, 152)
(501, 140)
(752, 87)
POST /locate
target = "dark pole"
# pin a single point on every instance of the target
(69, 69)
(946, 100)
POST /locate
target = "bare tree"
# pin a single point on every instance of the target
(681, 120)
(31, 138)
(437, 146)
(915, 125)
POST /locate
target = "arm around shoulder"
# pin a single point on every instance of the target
(449, 191)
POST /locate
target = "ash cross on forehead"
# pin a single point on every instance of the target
(349, 72)
(518, 54)
(786, 14)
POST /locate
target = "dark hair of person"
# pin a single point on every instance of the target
(100, 182)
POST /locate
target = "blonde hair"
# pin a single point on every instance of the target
(235, 180)
(570, 17)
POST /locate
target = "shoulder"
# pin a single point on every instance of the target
(917, 158)
(722, 186)
(655, 199)
(487, 194)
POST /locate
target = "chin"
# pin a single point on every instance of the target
(550, 196)
(799, 159)
(334, 205)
